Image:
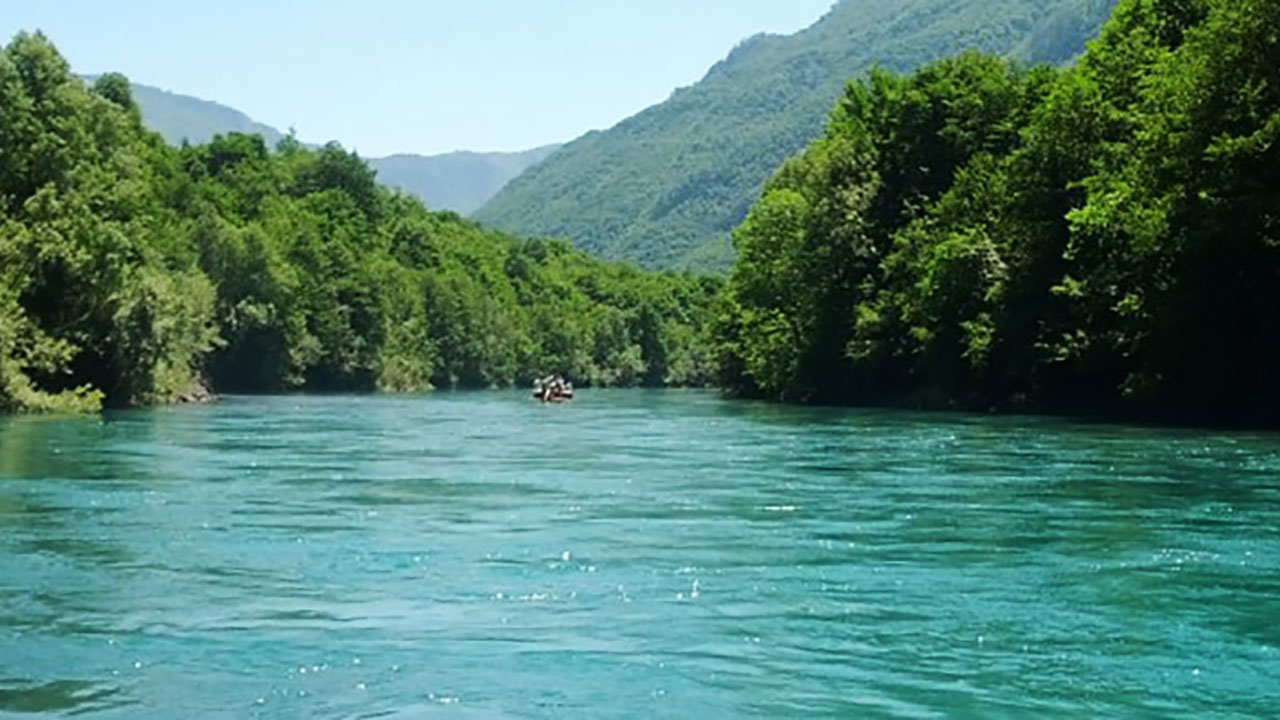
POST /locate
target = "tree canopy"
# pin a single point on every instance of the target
(1102, 239)
(132, 272)
(1099, 239)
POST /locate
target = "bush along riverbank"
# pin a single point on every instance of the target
(133, 272)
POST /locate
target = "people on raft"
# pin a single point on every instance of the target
(552, 388)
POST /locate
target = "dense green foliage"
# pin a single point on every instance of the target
(131, 270)
(665, 186)
(1101, 239)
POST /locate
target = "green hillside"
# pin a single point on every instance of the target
(665, 186)
(457, 181)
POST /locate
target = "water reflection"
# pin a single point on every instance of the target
(58, 696)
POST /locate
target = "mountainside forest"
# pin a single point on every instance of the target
(1102, 239)
(135, 272)
(457, 181)
(665, 187)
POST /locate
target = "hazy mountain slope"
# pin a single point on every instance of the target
(182, 117)
(458, 181)
(665, 186)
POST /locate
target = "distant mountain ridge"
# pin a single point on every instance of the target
(665, 186)
(182, 117)
(458, 181)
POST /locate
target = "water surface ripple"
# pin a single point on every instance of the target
(636, 553)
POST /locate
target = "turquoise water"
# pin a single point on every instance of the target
(634, 554)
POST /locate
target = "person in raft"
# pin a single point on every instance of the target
(553, 388)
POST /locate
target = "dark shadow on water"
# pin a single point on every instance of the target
(71, 697)
(80, 549)
(785, 413)
(122, 445)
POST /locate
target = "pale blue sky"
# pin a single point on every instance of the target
(424, 76)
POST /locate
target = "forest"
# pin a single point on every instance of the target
(133, 272)
(1102, 239)
(1099, 239)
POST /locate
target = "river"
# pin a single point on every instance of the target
(633, 554)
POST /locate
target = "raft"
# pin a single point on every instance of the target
(552, 388)
(564, 395)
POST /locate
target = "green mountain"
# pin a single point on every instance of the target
(458, 181)
(665, 186)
